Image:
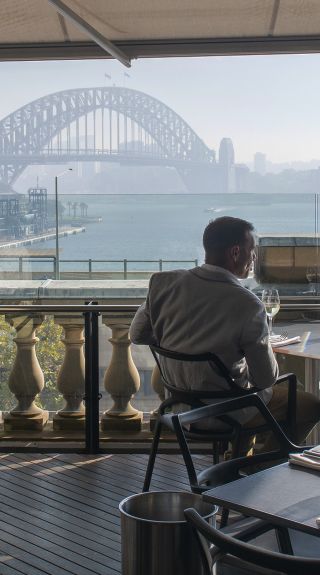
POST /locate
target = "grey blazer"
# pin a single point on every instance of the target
(207, 309)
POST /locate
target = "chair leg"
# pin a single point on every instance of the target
(152, 456)
(284, 541)
(236, 446)
(215, 450)
(224, 517)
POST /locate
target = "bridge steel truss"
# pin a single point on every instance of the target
(132, 124)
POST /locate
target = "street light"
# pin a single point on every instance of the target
(57, 221)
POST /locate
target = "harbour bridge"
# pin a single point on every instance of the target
(99, 124)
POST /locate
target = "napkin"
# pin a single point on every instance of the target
(314, 451)
(277, 342)
(305, 461)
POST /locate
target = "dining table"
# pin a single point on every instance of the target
(308, 349)
(286, 496)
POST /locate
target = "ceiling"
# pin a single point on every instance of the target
(127, 29)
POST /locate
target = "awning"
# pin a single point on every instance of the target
(127, 29)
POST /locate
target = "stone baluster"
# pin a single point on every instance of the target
(121, 380)
(26, 378)
(71, 376)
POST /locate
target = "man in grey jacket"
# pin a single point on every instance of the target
(207, 309)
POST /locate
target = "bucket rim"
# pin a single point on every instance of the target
(163, 521)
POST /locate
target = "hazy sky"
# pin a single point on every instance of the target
(269, 104)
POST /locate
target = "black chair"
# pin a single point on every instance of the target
(248, 555)
(233, 398)
(221, 473)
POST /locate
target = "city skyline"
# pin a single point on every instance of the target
(264, 104)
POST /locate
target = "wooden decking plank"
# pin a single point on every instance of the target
(105, 482)
(74, 490)
(11, 505)
(81, 551)
(94, 481)
(10, 565)
(34, 546)
(174, 468)
(60, 513)
(130, 473)
(39, 487)
(81, 514)
(58, 535)
(18, 549)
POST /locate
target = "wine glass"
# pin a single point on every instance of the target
(271, 300)
(313, 277)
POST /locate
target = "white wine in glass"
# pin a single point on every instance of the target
(271, 300)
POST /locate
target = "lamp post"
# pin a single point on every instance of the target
(57, 221)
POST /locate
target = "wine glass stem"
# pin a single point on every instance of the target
(270, 326)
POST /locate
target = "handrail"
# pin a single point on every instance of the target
(127, 308)
(117, 308)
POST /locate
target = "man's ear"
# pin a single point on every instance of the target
(235, 251)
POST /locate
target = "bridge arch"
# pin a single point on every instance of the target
(26, 133)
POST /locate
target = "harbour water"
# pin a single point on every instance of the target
(166, 227)
(147, 227)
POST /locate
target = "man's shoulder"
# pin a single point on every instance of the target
(167, 276)
(250, 298)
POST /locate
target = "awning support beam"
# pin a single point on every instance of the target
(103, 42)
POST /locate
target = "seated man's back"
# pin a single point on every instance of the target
(206, 309)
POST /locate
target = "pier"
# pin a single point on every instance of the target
(42, 238)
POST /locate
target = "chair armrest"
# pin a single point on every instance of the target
(227, 471)
(224, 407)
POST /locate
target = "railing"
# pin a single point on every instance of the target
(77, 380)
(78, 376)
(90, 267)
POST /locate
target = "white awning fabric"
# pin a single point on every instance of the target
(44, 29)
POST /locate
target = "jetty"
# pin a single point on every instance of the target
(42, 238)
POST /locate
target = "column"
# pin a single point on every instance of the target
(26, 378)
(121, 379)
(71, 376)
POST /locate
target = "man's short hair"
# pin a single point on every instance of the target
(223, 233)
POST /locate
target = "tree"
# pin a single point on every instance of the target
(50, 353)
(74, 208)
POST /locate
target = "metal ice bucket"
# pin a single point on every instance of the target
(156, 539)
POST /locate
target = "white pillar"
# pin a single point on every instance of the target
(26, 378)
(71, 376)
(121, 380)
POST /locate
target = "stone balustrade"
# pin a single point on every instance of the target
(121, 378)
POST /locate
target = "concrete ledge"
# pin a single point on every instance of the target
(103, 290)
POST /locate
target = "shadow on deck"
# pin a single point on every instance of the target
(59, 513)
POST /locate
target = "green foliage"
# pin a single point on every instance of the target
(7, 355)
(50, 353)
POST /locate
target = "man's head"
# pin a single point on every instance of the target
(230, 243)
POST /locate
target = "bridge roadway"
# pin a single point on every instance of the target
(64, 157)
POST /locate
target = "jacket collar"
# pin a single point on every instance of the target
(215, 273)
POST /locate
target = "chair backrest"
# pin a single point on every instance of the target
(225, 544)
(232, 390)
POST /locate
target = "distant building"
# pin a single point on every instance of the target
(226, 166)
(242, 177)
(259, 163)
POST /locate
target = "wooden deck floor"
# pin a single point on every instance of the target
(59, 513)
